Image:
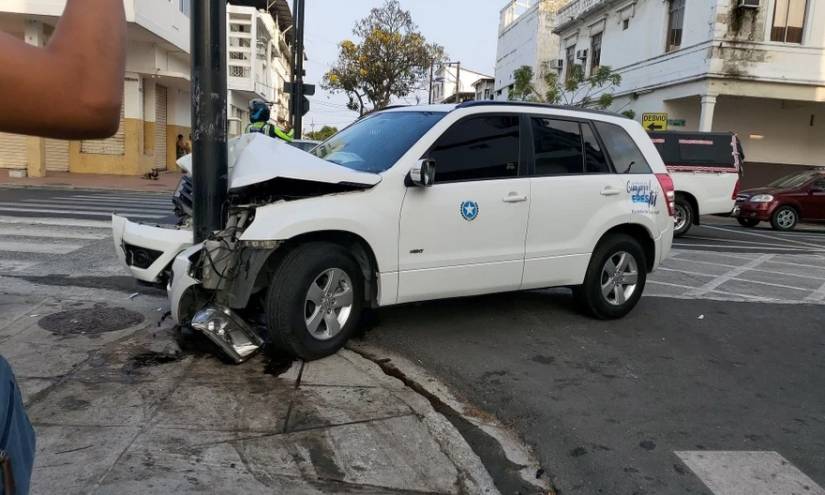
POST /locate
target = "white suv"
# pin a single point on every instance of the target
(412, 204)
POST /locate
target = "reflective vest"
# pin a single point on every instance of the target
(269, 130)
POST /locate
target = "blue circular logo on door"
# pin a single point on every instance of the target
(469, 210)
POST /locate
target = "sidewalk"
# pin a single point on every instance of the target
(166, 183)
(122, 406)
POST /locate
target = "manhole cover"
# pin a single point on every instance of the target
(90, 321)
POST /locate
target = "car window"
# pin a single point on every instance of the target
(819, 185)
(483, 147)
(375, 143)
(793, 180)
(626, 157)
(595, 159)
(558, 147)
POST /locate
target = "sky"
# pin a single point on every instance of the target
(468, 30)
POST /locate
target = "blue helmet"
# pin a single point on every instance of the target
(258, 110)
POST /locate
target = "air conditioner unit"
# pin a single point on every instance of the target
(748, 4)
(581, 54)
(557, 64)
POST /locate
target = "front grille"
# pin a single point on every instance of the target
(140, 257)
(183, 197)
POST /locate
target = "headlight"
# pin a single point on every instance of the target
(762, 198)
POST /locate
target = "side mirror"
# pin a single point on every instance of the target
(423, 173)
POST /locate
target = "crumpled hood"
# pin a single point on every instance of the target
(255, 158)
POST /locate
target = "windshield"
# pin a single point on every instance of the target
(793, 181)
(375, 143)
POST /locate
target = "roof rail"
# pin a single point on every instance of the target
(485, 103)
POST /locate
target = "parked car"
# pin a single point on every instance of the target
(412, 204)
(784, 202)
(706, 168)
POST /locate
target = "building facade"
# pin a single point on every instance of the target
(485, 88)
(755, 68)
(525, 38)
(454, 84)
(157, 99)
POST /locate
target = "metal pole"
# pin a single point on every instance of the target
(209, 120)
(299, 68)
(432, 68)
(458, 83)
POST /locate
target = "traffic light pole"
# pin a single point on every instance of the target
(298, 68)
(209, 93)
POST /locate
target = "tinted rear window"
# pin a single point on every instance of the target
(695, 150)
(626, 156)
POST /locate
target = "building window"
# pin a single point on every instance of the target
(788, 21)
(570, 61)
(676, 20)
(595, 53)
(625, 24)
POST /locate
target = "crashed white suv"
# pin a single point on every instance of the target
(411, 204)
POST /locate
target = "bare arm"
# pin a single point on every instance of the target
(72, 88)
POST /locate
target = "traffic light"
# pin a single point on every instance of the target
(308, 90)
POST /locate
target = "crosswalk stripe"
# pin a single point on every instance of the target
(59, 222)
(30, 247)
(153, 197)
(109, 208)
(19, 230)
(165, 202)
(15, 266)
(75, 212)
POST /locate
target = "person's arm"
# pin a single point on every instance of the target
(73, 87)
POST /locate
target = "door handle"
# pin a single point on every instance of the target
(515, 198)
(611, 191)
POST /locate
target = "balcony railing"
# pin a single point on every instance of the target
(574, 9)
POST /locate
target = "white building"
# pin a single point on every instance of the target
(157, 101)
(452, 79)
(525, 37)
(485, 88)
(713, 65)
(259, 54)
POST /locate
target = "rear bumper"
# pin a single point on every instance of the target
(663, 245)
(147, 251)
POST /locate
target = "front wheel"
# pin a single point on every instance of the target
(684, 217)
(315, 300)
(784, 218)
(748, 222)
(615, 278)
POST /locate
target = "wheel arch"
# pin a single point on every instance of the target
(641, 234)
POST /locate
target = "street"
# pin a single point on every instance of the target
(723, 354)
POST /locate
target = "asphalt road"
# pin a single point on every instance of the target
(607, 404)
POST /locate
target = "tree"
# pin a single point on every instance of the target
(595, 91)
(389, 59)
(325, 133)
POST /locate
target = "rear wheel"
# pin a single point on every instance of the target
(684, 217)
(784, 218)
(315, 300)
(615, 278)
(748, 222)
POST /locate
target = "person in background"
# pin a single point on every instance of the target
(188, 147)
(259, 115)
(180, 147)
(70, 89)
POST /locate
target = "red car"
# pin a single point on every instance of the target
(785, 202)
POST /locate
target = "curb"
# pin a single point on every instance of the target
(60, 187)
(506, 458)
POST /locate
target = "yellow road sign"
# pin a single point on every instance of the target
(654, 121)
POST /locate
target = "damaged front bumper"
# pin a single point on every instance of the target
(206, 283)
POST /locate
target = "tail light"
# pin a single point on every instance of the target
(736, 189)
(666, 181)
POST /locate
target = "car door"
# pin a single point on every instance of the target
(813, 206)
(465, 234)
(575, 197)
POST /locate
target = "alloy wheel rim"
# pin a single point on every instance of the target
(681, 217)
(786, 218)
(620, 278)
(328, 304)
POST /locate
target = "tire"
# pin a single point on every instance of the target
(306, 316)
(611, 305)
(684, 217)
(748, 222)
(784, 218)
